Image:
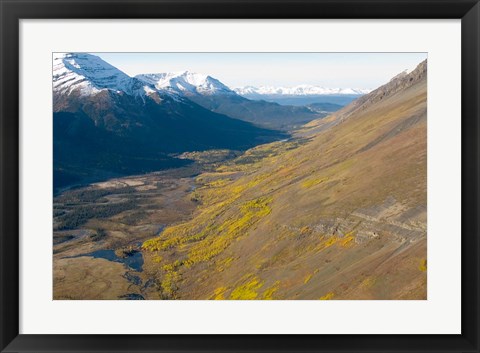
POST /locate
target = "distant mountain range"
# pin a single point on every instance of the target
(301, 90)
(213, 95)
(301, 95)
(191, 83)
(108, 123)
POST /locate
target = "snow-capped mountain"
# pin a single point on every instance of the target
(301, 90)
(88, 75)
(213, 95)
(186, 83)
(108, 123)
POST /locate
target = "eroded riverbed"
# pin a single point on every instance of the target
(99, 229)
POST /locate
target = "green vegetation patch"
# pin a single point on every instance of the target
(247, 291)
(81, 214)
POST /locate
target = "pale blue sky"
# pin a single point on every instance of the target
(332, 70)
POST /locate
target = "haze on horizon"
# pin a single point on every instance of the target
(331, 70)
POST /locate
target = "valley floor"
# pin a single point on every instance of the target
(188, 234)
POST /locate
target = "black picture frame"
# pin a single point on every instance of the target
(14, 10)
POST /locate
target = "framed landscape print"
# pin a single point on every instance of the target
(230, 176)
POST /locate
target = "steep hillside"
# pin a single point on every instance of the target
(396, 84)
(338, 213)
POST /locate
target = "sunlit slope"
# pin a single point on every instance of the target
(340, 215)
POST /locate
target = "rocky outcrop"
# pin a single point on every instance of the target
(398, 83)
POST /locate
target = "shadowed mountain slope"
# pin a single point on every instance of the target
(106, 123)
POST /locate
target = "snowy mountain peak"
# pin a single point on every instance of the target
(300, 90)
(89, 74)
(186, 82)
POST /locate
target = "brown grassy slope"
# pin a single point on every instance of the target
(341, 216)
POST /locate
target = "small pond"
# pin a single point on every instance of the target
(134, 261)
